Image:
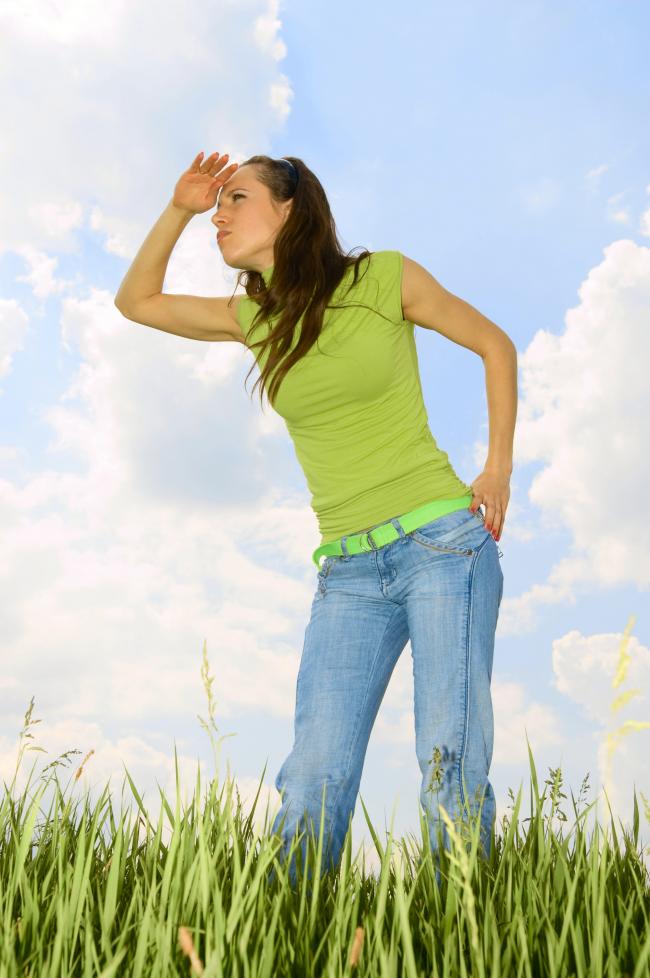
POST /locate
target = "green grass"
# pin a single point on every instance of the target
(82, 893)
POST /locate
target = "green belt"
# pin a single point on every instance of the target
(385, 533)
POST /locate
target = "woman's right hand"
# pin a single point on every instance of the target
(198, 187)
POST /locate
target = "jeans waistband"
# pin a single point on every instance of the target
(385, 533)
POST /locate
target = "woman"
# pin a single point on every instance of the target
(409, 553)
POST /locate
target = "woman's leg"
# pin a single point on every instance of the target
(352, 642)
(452, 605)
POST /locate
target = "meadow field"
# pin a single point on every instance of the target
(88, 892)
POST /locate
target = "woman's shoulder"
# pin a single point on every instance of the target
(379, 264)
(383, 281)
(382, 256)
(387, 258)
(385, 264)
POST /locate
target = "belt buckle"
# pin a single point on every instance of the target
(376, 529)
(367, 534)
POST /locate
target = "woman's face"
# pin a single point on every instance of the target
(246, 210)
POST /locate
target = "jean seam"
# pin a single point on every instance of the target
(355, 738)
(468, 661)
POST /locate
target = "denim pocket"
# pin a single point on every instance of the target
(458, 532)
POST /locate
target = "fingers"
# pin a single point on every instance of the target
(493, 520)
(493, 515)
(225, 175)
(195, 164)
(199, 165)
(214, 163)
(211, 162)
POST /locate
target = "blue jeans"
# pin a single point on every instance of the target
(439, 586)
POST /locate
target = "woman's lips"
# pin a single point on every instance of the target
(221, 234)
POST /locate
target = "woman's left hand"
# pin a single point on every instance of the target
(491, 489)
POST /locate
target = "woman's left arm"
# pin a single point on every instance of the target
(427, 303)
(492, 487)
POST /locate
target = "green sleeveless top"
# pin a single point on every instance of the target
(354, 410)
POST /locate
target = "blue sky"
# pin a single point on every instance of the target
(146, 502)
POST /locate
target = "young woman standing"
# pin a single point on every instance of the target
(409, 549)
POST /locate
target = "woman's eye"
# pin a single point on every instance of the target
(234, 196)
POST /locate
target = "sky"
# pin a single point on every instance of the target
(150, 509)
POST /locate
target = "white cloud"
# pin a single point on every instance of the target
(13, 327)
(266, 32)
(100, 120)
(644, 223)
(41, 275)
(585, 667)
(74, 22)
(135, 545)
(116, 572)
(583, 414)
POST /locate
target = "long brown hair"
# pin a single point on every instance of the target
(308, 265)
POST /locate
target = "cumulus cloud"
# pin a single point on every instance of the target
(610, 685)
(583, 418)
(147, 526)
(98, 120)
(13, 328)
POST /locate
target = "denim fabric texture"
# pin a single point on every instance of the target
(440, 587)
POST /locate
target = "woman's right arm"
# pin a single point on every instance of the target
(146, 274)
(140, 297)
